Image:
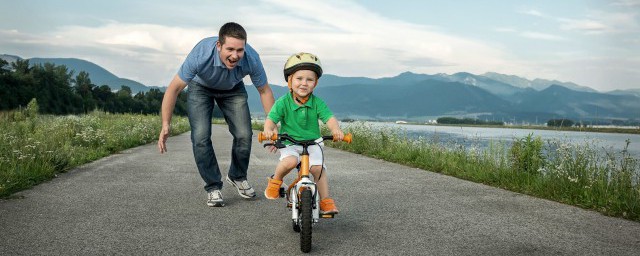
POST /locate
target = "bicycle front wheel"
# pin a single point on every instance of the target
(306, 219)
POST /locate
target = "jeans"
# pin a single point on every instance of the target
(234, 107)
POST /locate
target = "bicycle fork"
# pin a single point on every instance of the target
(304, 183)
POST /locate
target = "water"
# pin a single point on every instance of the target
(482, 136)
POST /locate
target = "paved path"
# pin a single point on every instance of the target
(141, 202)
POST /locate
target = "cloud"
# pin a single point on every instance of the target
(533, 13)
(626, 3)
(586, 26)
(367, 44)
(531, 34)
(505, 30)
(542, 36)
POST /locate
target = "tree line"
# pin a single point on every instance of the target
(58, 92)
(471, 121)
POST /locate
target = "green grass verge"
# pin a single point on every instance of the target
(35, 148)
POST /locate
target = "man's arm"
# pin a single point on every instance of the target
(168, 104)
(266, 97)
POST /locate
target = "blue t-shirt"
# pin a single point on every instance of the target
(203, 65)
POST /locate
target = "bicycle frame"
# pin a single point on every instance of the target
(297, 192)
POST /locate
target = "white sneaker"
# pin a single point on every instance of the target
(215, 198)
(244, 189)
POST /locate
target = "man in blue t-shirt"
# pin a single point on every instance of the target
(213, 70)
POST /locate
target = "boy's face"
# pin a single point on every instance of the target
(303, 82)
(231, 52)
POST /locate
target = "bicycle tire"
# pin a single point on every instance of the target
(306, 220)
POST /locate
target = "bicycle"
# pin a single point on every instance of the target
(302, 196)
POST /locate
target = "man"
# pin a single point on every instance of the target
(213, 70)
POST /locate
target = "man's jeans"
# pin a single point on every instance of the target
(235, 109)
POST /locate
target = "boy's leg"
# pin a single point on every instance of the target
(316, 160)
(275, 182)
(285, 166)
(323, 185)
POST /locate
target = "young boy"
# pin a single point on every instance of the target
(298, 113)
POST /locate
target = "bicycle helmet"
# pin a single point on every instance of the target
(302, 60)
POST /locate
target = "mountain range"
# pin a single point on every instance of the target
(420, 97)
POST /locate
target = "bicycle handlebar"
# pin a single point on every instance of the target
(283, 136)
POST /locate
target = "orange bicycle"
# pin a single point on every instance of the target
(302, 195)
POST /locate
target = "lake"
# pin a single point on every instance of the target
(482, 136)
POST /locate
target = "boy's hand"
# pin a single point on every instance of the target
(338, 135)
(267, 134)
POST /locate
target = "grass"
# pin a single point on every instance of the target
(34, 148)
(578, 175)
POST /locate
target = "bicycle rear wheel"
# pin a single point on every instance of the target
(306, 220)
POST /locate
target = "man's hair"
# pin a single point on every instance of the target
(232, 29)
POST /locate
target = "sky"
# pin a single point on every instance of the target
(593, 43)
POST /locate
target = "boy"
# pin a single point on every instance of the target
(298, 113)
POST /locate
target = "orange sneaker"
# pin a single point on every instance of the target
(273, 189)
(328, 206)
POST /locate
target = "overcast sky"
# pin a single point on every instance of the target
(591, 43)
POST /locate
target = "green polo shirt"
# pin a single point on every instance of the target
(300, 122)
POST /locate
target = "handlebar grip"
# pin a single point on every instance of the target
(262, 138)
(348, 138)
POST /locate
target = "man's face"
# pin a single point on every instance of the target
(231, 51)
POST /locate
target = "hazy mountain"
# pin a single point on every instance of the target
(538, 84)
(565, 102)
(9, 58)
(331, 80)
(498, 88)
(416, 100)
(633, 92)
(509, 79)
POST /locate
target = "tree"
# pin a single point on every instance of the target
(4, 67)
(84, 88)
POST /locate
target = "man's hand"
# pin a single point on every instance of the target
(162, 139)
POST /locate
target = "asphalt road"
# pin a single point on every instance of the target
(142, 202)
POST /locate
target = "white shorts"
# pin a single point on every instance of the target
(315, 153)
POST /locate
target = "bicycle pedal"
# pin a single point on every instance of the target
(327, 216)
(281, 192)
